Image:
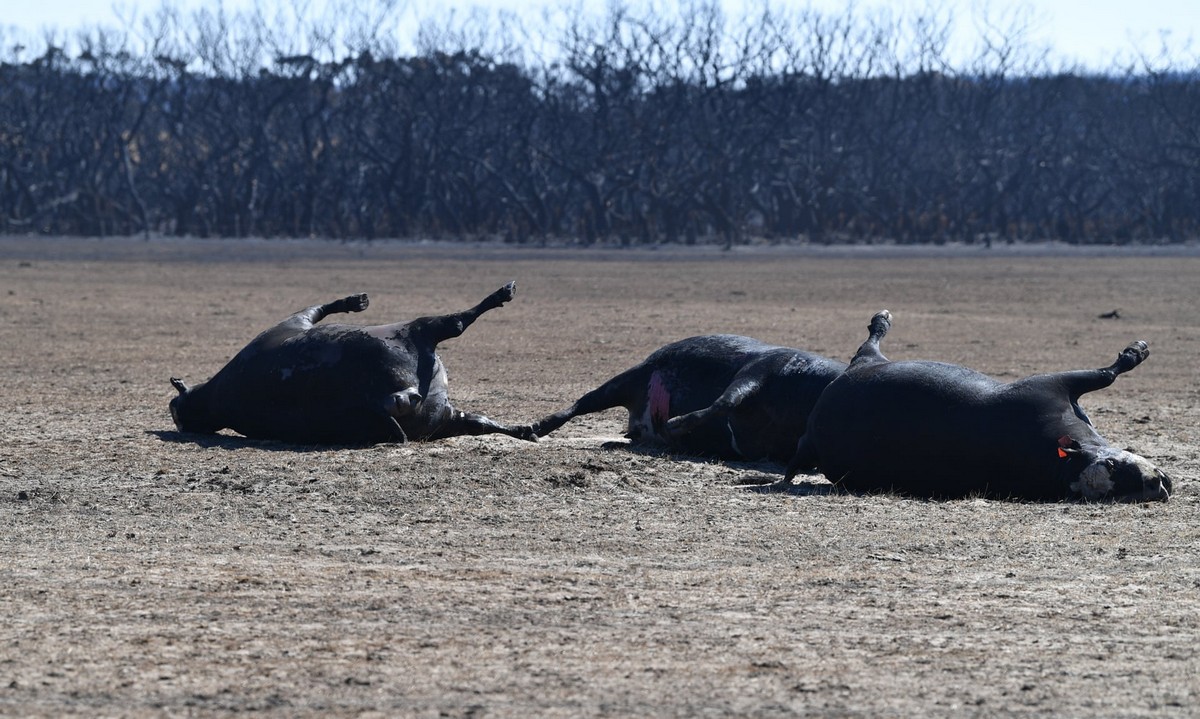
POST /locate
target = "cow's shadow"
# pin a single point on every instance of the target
(765, 477)
(232, 442)
(766, 480)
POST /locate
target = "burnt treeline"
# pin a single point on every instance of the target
(633, 130)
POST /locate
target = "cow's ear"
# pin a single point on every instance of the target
(179, 385)
(1067, 447)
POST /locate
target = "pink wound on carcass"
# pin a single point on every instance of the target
(660, 400)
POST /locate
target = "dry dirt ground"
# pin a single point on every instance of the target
(142, 575)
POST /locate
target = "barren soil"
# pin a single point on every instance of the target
(145, 573)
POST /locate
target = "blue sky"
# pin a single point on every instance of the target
(1093, 33)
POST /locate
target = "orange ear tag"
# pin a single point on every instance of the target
(1062, 453)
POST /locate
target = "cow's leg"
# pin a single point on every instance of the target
(869, 352)
(620, 391)
(309, 316)
(302, 321)
(460, 423)
(744, 386)
(1082, 381)
(443, 327)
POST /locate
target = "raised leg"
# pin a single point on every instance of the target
(1082, 381)
(869, 352)
(619, 391)
(303, 321)
(444, 327)
(309, 316)
(461, 423)
(743, 387)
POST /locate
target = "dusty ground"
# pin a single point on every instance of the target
(486, 577)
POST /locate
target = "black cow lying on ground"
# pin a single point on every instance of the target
(339, 384)
(718, 395)
(940, 430)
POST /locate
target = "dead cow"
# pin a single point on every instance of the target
(307, 383)
(940, 430)
(721, 396)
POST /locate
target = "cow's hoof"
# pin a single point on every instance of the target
(880, 323)
(681, 425)
(357, 303)
(505, 293)
(1133, 355)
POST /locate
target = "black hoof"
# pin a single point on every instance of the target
(1133, 355)
(404, 402)
(681, 425)
(880, 323)
(356, 303)
(505, 293)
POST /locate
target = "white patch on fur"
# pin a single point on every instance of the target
(1095, 481)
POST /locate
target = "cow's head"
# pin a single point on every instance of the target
(189, 413)
(1103, 473)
